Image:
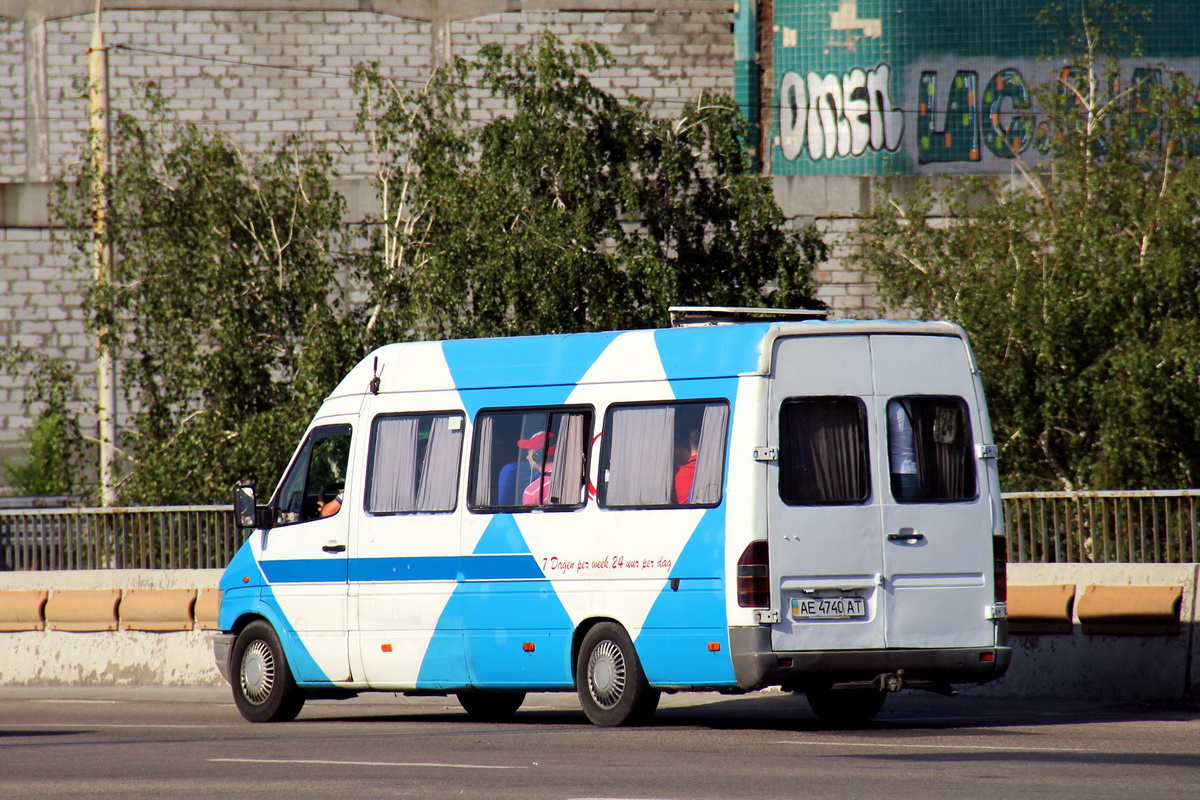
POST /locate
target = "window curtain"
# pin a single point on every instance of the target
(394, 466)
(824, 459)
(943, 449)
(710, 460)
(439, 473)
(485, 480)
(566, 476)
(641, 449)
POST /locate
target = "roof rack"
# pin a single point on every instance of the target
(698, 316)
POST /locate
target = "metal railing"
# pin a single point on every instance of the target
(161, 537)
(1102, 526)
(1152, 526)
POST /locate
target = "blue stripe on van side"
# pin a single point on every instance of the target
(427, 568)
(304, 570)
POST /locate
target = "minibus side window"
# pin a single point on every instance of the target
(316, 478)
(413, 463)
(663, 456)
(529, 459)
(823, 451)
(930, 453)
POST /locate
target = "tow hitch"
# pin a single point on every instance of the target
(895, 681)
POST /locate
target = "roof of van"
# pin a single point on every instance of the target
(604, 357)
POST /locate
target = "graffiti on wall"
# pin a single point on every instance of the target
(838, 115)
(994, 118)
(961, 121)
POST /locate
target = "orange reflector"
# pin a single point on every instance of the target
(245, 579)
(528, 647)
(714, 647)
(387, 648)
(987, 656)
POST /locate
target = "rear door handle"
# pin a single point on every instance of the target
(911, 536)
(334, 547)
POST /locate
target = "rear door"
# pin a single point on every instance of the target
(937, 518)
(826, 551)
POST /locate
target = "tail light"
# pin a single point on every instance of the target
(1000, 567)
(754, 576)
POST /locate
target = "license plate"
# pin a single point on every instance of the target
(828, 607)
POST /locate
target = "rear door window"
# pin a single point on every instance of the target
(823, 458)
(931, 456)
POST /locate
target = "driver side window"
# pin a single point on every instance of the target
(313, 487)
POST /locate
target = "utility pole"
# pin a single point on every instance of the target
(106, 380)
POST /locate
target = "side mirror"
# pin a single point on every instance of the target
(244, 507)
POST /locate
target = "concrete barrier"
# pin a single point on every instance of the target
(116, 657)
(1130, 641)
(23, 611)
(1154, 655)
(1041, 609)
(82, 610)
(157, 610)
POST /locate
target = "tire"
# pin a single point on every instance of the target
(490, 706)
(612, 688)
(263, 687)
(844, 708)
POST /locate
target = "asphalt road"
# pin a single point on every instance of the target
(155, 743)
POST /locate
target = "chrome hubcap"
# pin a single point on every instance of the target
(258, 672)
(606, 674)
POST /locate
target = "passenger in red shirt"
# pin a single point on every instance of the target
(686, 472)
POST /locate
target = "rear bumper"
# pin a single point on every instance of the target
(756, 665)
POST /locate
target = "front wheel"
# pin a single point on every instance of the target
(263, 687)
(490, 706)
(612, 688)
(845, 708)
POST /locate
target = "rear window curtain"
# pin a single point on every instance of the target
(941, 447)
(823, 452)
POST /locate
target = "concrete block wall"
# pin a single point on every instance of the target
(295, 78)
(256, 75)
(1070, 665)
(40, 308)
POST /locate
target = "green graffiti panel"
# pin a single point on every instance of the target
(905, 87)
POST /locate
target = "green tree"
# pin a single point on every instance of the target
(570, 211)
(56, 463)
(230, 313)
(228, 319)
(1079, 283)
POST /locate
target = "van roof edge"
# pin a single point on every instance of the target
(690, 316)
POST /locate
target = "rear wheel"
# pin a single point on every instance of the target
(845, 708)
(263, 687)
(491, 706)
(612, 688)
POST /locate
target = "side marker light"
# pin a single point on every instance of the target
(714, 647)
(387, 648)
(528, 647)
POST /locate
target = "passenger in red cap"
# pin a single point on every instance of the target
(537, 492)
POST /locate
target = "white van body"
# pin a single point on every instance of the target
(803, 561)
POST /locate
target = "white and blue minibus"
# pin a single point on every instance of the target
(751, 498)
